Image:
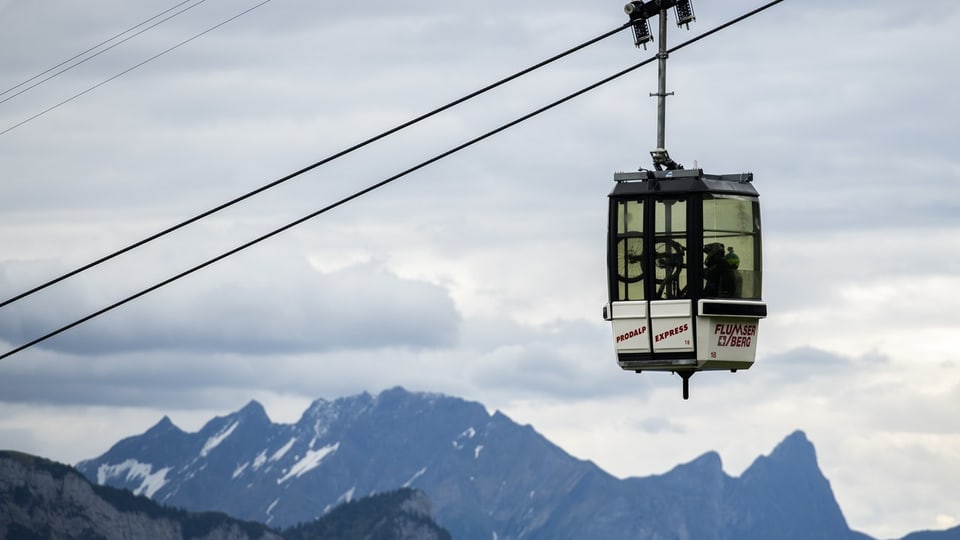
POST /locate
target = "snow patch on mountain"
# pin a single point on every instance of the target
(283, 450)
(413, 478)
(151, 481)
(323, 414)
(310, 461)
(468, 433)
(259, 460)
(215, 441)
(270, 510)
(348, 496)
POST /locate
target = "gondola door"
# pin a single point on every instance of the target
(668, 283)
(628, 308)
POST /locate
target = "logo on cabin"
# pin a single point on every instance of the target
(734, 335)
(632, 334)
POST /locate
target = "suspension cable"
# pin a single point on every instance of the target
(308, 168)
(131, 68)
(98, 53)
(382, 183)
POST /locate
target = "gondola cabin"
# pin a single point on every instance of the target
(684, 271)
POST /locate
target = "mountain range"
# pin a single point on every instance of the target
(485, 475)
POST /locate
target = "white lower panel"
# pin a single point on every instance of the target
(727, 339)
(673, 334)
(672, 326)
(631, 335)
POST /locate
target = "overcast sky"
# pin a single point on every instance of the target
(482, 276)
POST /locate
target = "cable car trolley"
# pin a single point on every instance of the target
(684, 255)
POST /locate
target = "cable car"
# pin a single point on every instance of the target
(684, 256)
(684, 260)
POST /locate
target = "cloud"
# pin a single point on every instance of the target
(495, 362)
(293, 309)
(657, 425)
(543, 368)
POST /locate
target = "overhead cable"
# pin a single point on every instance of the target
(384, 182)
(98, 53)
(128, 70)
(308, 168)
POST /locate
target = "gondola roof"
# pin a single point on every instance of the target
(682, 181)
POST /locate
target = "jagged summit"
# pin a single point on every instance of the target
(708, 463)
(321, 408)
(795, 448)
(163, 426)
(254, 411)
(794, 456)
(791, 470)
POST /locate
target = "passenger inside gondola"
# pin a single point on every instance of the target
(721, 275)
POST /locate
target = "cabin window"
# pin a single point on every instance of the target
(670, 250)
(629, 250)
(731, 247)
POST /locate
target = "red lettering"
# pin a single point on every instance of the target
(672, 332)
(632, 334)
(735, 329)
